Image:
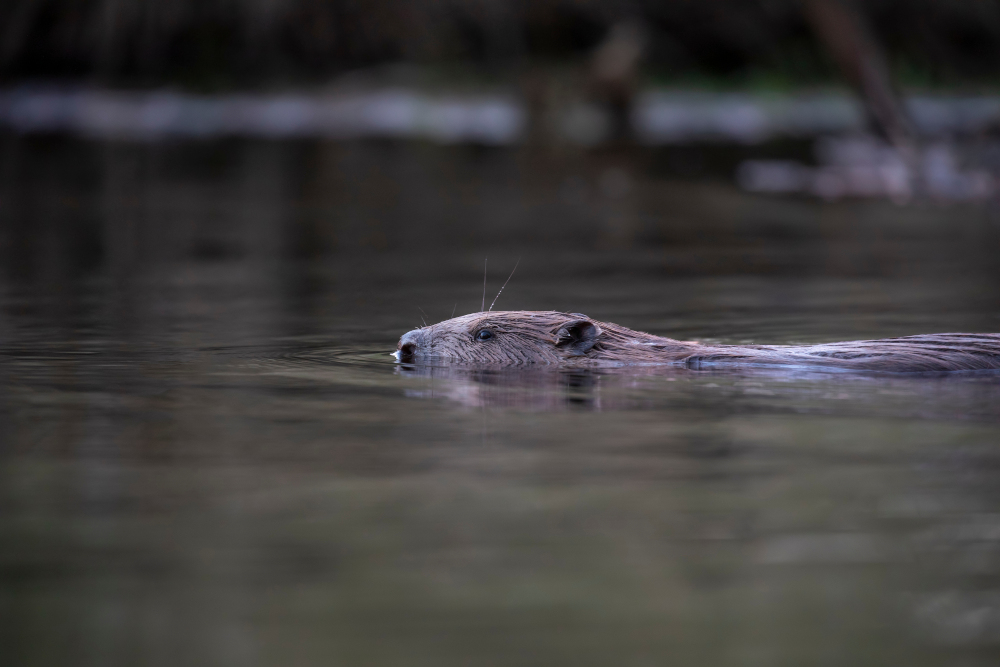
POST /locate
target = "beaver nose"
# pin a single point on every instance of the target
(410, 343)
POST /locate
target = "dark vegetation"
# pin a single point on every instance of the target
(213, 44)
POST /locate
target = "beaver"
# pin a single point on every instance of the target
(550, 337)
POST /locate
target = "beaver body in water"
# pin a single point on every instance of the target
(549, 337)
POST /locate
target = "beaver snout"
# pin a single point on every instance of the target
(409, 343)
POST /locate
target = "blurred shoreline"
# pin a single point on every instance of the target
(660, 116)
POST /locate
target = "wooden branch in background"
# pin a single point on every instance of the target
(854, 49)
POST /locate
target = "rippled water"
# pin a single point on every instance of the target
(207, 455)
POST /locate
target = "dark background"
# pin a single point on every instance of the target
(212, 44)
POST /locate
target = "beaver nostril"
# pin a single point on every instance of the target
(407, 349)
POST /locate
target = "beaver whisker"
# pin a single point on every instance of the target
(505, 284)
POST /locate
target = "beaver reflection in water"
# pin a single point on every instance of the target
(572, 339)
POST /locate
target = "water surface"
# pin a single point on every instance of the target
(207, 455)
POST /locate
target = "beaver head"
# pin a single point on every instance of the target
(503, 337)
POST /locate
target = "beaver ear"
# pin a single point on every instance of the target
(577, 336)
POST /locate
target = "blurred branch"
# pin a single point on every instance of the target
(614, 69)
(860, 59)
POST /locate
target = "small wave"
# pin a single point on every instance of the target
(324, 362)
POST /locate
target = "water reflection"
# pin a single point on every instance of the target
(970, 395)
(545, 389)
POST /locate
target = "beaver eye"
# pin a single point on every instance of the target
(484, 334)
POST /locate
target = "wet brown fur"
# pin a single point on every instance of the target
(549, 337)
